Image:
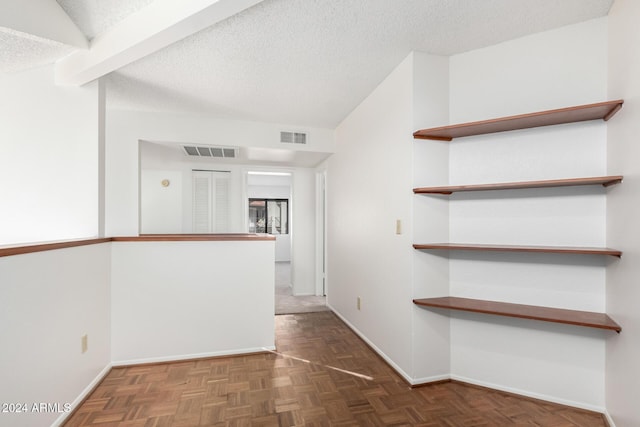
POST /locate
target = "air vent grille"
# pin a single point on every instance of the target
(191, 151)
(210, 151)
(293, 137)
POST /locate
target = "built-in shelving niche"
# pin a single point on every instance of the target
(597, 111)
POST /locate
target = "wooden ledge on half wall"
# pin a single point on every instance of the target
(195, 237)
(63, 244)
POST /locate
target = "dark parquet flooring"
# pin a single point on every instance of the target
(321, 375)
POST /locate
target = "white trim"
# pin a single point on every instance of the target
(607, 415)
(269, 173)
(176, 358)
(428, 380)
(83, 395)
(386, 358)
(525, 393)
(321, 226)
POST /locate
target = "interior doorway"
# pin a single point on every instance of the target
(286, 303)
(270, 209)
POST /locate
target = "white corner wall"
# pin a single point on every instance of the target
(49, 154)
(554, 69)
(49, 301)
(180, 300)
(623, 211)
(431, 332)
(369, 188)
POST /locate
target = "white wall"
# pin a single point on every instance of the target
(49, 301)
(368, 188)
(431, 334)
(178, 300)
(554, 69)
(126, 128)
(303, 223)
(161, 207)
(170, 210)
(623, 211)
(48, 158)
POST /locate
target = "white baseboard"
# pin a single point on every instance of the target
(609, 419)
(432, 379)
(87, 390)
(176, 358)
(525, 393)
(380, 353)
(426, 380)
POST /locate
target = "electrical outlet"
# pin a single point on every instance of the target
(84, 342)
(358, 303)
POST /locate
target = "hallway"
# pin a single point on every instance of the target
(286, 303)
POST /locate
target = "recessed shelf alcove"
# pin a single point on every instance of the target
(598, 111)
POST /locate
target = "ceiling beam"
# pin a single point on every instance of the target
(146, 31)
(43, 19)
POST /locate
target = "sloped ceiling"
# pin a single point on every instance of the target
(97, 16)
(303, 62)
(21, 51)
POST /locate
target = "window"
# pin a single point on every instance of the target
(269, 216)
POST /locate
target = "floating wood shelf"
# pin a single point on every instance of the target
(600, 110)
(546, 314)
(605, 181)
(578, 250)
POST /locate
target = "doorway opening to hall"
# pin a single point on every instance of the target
(271, 209)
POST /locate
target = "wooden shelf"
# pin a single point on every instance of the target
(546, 314)
(577, 250)
(600, 110)
(605, 181)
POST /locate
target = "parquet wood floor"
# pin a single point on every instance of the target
(321, 375)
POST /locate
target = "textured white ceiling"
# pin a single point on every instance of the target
(301, 62)
(310, 62)
(20, 51)
(96, 16)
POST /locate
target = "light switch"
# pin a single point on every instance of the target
(398, 226)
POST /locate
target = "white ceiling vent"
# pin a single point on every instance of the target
(210, 151)
(293, 137)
